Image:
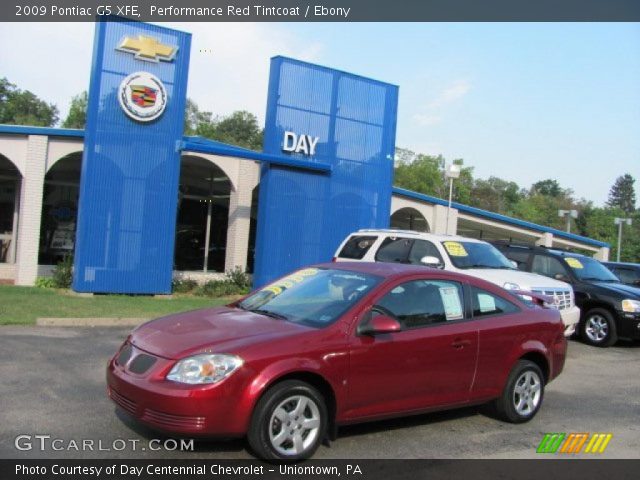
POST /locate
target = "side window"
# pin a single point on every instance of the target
(520, 258)
(486, 303)
(357, 247)
(423, 302)
(421, 249)
(626, 275)
(394, 250)
(547, 266)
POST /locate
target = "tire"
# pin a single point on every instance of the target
(522, 395)
(289, 422)
(598, 328)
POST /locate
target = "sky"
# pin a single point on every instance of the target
(521, 101)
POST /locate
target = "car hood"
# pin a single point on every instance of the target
(219, 330)
(627, 291)
(525, 280)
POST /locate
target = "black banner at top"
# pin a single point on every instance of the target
(323, 10)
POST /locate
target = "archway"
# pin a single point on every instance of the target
(203, 216)
(10, 181)
(60, 209)
(408, 218)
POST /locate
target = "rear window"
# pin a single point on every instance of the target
(357, 247)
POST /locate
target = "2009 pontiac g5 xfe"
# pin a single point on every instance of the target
(335, 344)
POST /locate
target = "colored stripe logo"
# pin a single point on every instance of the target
(574, 443)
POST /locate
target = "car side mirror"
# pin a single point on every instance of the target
(513, 263)
(431, 261)
(380, 324)
(561, 277)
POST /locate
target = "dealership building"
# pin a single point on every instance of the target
(137, 203)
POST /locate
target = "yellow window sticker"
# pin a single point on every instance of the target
(290, 281)
(573, 262)
(455, 249)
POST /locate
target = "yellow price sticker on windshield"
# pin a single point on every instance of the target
(455, 249)
(573, 262)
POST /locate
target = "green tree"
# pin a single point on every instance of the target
(622, 194)
(22, 107)
(77, 116)
(420, 173)
(549, 187)
(240, 128)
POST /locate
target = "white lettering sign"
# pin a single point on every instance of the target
(305, 144)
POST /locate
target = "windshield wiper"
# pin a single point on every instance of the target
(269, 313)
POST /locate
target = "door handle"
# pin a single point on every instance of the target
(459, 343)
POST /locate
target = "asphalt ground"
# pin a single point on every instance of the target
(53, 383)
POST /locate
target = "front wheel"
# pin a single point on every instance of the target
(598, 328)
(289, 422)
(522, 395)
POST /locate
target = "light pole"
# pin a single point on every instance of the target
(452, 171)
(620, 222)
(569, 214)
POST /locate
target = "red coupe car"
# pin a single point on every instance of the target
(335, 344)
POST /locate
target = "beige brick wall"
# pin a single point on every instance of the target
(31, 210)
(240, 215)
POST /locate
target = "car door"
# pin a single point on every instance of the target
(429, 363)
(501, 325)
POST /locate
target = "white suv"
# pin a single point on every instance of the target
(457, 254)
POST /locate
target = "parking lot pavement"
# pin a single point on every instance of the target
(53, 384)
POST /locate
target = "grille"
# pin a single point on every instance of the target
(173, 421)
(141, 363)
(561, 296)
(126, 404)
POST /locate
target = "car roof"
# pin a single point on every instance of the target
(392, 270)
(540, 249)
(623, 264)
(414, 234)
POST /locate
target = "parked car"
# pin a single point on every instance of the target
(337, 344)
(456, 254)
(610, 309)
(628, 273)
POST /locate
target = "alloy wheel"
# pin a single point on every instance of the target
(597, 328)
(294, 425)
(527, 393)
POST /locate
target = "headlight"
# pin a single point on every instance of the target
(205, 368)
(511, 286)
(630, 306)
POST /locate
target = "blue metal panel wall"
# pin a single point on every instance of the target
(303, 216)
(130, 170)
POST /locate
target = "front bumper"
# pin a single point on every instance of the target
(570, 318)
(628, 325)
(202, 410)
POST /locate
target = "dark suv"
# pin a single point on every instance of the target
(609, 309)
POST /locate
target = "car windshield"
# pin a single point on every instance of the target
(313, 296)
(589, 269)
(476, 255)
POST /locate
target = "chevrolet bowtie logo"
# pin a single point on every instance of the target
(148, 48)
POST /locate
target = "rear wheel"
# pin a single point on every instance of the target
(598, 328)
(522, 395)
(289, 422)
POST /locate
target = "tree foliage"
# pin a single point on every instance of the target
(622, 194)
(77, 116)
(239, 128)
(22, 107)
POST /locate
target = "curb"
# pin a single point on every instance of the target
(90, 322)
